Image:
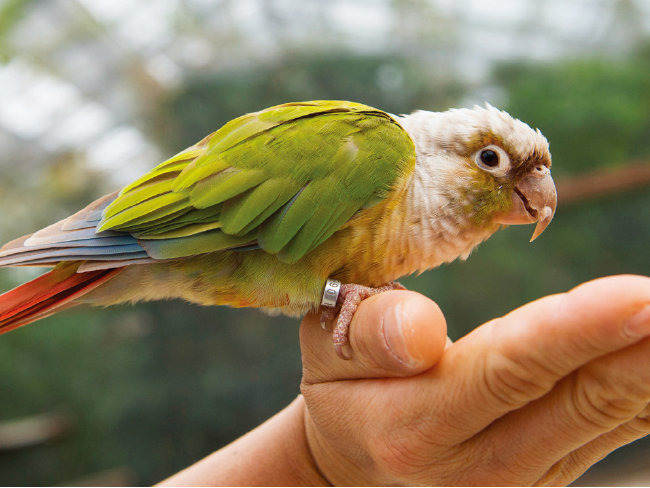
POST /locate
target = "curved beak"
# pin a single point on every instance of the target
(534, 199)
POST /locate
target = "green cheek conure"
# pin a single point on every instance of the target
(262, 212)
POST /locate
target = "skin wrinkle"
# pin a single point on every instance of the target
(576, 462)
(552, 315)
(310, 452)
(600, 447)
(609, 402)
(644, 415)
(540, 365)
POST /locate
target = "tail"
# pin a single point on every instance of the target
(48, 294)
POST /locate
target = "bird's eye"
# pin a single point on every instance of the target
(489, 158)
(493, 159)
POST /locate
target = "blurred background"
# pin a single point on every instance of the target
(93, 93)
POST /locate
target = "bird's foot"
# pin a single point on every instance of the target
(350, 296)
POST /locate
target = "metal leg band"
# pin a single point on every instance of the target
(331, 293)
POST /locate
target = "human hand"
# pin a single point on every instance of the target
(534, 397)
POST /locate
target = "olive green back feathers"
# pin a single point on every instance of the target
(283, 180)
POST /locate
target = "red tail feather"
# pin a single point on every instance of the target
(47, 294)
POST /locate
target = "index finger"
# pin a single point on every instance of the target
(513, 360)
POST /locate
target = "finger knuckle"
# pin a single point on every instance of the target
(511, 381)
(605, 401)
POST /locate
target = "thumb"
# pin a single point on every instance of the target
(395, 333)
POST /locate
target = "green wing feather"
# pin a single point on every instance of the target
(283, 179)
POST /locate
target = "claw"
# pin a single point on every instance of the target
(327, 316)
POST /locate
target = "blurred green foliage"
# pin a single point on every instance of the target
(595, 111)
(396, 84)
(157, 386)
(10, 12)
(152, 388)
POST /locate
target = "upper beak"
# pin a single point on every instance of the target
(534, 200)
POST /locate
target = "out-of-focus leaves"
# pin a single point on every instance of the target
(393, 83)
(595, 112)
(11, 12)
(153, 388)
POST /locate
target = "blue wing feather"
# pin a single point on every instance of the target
(74, 239)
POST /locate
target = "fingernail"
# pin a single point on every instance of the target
(396, 322)
(638, 325)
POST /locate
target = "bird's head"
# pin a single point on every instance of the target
(495, 167)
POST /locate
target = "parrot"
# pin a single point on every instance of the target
(279, 207)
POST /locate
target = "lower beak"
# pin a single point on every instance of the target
(534, 199)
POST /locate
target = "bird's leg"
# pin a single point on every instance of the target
(350, 296)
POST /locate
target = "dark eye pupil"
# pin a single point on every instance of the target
(489, 158)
